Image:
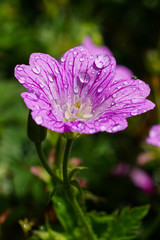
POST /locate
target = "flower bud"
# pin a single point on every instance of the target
(36, 133)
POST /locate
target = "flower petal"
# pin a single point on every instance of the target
(124, 97)
(123, 72)
(154, 136)
(94, 49)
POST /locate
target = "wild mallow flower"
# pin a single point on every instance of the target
(80, 93)
(154, 136)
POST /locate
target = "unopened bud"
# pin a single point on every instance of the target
(36, 133)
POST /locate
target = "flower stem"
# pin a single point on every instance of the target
(77, 209)
(65, 160)
(59, 153)
(54, 177)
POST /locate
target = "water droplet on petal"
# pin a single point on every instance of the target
(65, 85)
(114, 95)
(36, 69)
(125, 82)
(75, 52)
(81, 59)
(63, 59)
(22, 80)
(91, 57)
(100, 89)
(84, 77)
(102, 99)
(56, 70)
(19, 68)
(76, 90)
(103, 128)
(70, 63)
(134, 112)
(116, 127)
(102, 61)
(38, 119)
(91, 130)
(51, 78)
(81, 49)
(36, 57)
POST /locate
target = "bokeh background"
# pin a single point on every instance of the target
(131, 30)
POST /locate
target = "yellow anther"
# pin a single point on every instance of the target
(78, 104)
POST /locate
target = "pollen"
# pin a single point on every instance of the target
(77, 104)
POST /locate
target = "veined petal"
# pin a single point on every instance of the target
(81, 93)
(123, 72)
(154, 136)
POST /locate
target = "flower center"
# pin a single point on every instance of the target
(78, 111)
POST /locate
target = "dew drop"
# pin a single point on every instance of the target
(114, 95)
(100, 89)
(38, 119)
(116, 127)
(102, 99)
(81, 59)
(56, 70)
(103, 128)
(63, 59)
(102, 61)
(70, 63)
(134, 112)
(119, 87)
(91, 130)
(76, 90)
(36, 69)
(19, 68)
(81, 49)
(66, 85)
(84, 77)
(91, 57)
(36, 57)
(51, 78)
(74, 52)
(22, 80)
(125, 82)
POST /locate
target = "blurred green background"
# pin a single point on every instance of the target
(131, 30)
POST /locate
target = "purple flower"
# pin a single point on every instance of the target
(139, 178)
(142, 180)
(122, 72)
(80, 93)
(154, 136)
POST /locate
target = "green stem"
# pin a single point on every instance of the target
(65, 160)
(59, 153)
(78, 211)
(54, 177)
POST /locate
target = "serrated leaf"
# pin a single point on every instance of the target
(124, 225)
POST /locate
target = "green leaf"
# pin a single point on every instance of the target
(124, 225)
(64, 212)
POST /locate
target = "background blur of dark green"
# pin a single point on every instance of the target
(131, 30)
